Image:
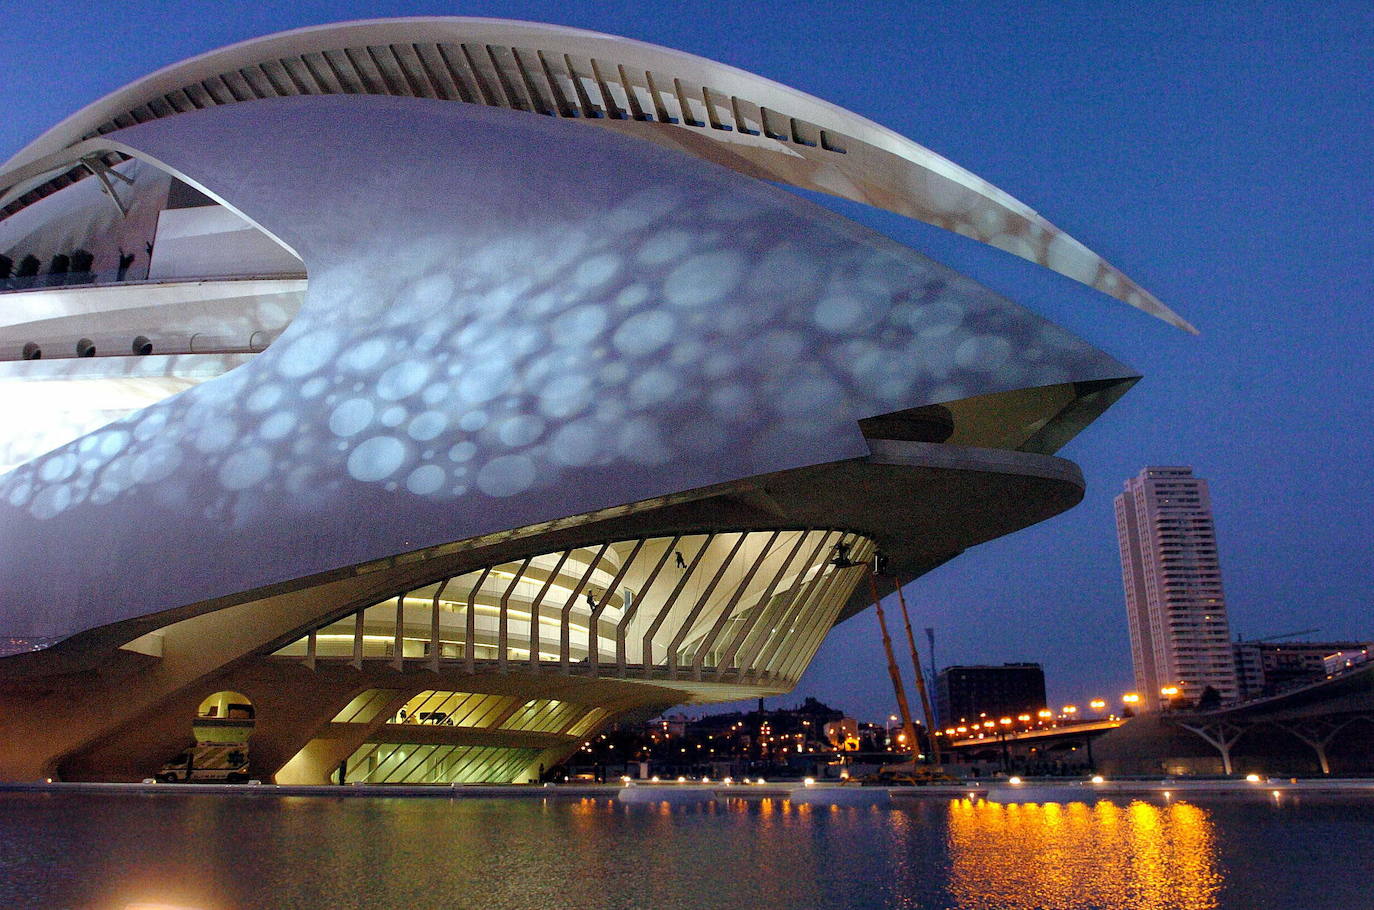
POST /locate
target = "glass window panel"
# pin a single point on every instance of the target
(364, 707)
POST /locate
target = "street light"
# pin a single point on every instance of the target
(1097, 704)
(1071, 710)
(1130, 698)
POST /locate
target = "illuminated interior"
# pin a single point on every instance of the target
(729, 604)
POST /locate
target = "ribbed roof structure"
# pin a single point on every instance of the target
(714, 111)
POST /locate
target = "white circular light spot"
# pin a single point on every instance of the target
(577, 443)
(263, 398)
(653, 386)
(433, 290)
(402, 380)
(307, 354)
(19, 493)
(632, 296)
(506, 476)
(982, 352)
(112, 443)
(59, 467)
(463, 451)
(425, 479)
(314, 387)
(838, 313)
(277, 425)
(641, 210)
(427, 425)
(520, 430)
(151, 425)
(377, 458)
(157, 463)
(364, 356)
(245, 469)
(595, 272)
(578, 326)
(351, 417)
(50, 501)
(485, 381)
(644, 333)
(435, 393)
(665, 247)
(703, 279)
(565, 395)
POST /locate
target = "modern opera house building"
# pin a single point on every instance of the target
(448, 389)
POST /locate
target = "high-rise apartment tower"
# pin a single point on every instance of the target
(1174, 601)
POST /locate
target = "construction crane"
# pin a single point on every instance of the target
(908, 730)
(920, 677)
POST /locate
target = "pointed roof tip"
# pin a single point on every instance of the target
(1110, 280)
(1156, 308)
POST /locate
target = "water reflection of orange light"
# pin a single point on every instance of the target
(1030, 856)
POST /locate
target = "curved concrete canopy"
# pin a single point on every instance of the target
(703, 108)
(556, 350)
(958, 497)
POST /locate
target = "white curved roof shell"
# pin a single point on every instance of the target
(728, 116)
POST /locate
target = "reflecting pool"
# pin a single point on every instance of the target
(216, 852)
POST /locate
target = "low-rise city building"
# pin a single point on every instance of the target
(966, 693)
(1266, 667)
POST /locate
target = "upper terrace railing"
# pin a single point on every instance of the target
(77, 340)
(34, 282)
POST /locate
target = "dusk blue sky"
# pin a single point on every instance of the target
(1220, 154)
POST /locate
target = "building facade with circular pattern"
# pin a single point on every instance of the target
(444, 390)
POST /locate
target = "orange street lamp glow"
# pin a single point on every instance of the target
(1006, 721)
(1097, 704)
(1070, 709)
(1169, 691)
(1044, 714)
(1131, 698)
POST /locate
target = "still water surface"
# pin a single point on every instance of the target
(216, 853)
